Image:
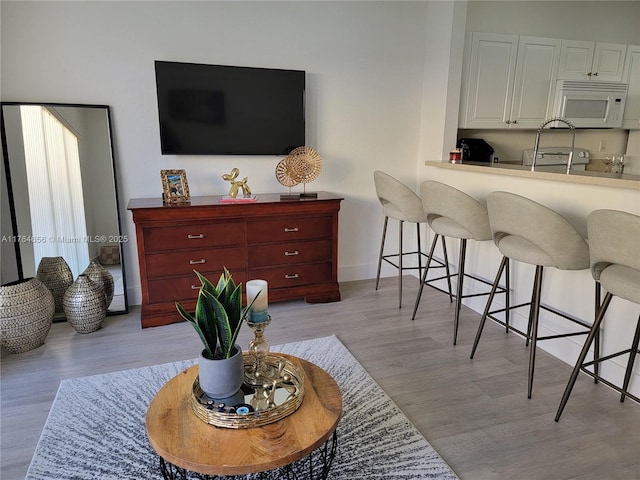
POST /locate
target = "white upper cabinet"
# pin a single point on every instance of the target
(603, 62)
(631, 75)
(509, 82)
(534, 85)
(489, 81)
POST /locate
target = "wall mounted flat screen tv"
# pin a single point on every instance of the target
(226, 110)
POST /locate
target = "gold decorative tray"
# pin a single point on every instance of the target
(255, 405)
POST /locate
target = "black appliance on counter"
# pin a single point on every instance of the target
(475, 150)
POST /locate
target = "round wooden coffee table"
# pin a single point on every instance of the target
(186, 443)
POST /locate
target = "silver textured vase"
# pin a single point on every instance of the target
(85, 305)
(26, 314)
(55, 273)
(101, 276)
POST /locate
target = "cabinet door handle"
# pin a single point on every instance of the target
(589, 74)
(291, 254)
(200, 235)
(595, 74)
(295, 229)
(514, 122)
(195, 287)
(197, 262)
(289, 277)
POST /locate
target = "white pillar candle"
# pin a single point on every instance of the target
(258, 312)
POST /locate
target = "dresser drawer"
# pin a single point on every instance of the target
(185, 287)
(202, 260)
(289, 253)
(193, 236)
(294, 275)
(289, 229)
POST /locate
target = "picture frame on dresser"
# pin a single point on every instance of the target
(175, 188)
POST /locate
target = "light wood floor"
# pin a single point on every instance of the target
(474, 412)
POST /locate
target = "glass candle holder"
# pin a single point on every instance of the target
(259, 348)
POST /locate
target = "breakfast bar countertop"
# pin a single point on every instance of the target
(582, 177)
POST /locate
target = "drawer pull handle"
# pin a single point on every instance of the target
(197, 262)
(291, 254)
(191, 237)
(195, 287)
(289, 277)
(288, 230)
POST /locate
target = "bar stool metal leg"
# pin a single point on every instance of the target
(507, 301)
(504, 263)
(596, 347)
(423, 278)
(632, 359)
(446, 266)
(400, 255)
(419, 250)
(583, 354)
(534, 317)
(400, 264)
(384, 235)
(461, 260)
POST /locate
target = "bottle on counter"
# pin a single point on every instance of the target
(455, 155)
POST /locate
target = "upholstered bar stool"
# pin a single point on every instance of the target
(531, 233)
(615, 265)
(403, 204)
(454, 214)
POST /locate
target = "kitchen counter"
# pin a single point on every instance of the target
(582, 177)
(574, 197)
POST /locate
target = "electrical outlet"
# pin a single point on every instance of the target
(603, 146)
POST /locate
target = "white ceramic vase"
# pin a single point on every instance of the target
(221, 378)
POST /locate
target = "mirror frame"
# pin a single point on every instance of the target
(9, 185)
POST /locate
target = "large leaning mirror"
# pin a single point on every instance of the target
(59, 196)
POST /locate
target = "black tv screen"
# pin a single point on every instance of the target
(226, 110)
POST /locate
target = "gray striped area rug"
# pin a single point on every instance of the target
(96, 426)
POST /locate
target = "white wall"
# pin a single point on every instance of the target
(364, 65)
(597, 21)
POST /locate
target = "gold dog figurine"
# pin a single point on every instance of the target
(237, 184)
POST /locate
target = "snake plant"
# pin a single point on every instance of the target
(218, 315)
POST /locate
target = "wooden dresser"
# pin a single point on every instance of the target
(292, 244)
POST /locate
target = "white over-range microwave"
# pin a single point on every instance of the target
(589, 104)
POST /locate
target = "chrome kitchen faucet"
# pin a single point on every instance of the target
(537, 143)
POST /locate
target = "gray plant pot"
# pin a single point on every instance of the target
(221, 378)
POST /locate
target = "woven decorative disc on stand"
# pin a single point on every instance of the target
(284, 175)
(305, 164)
